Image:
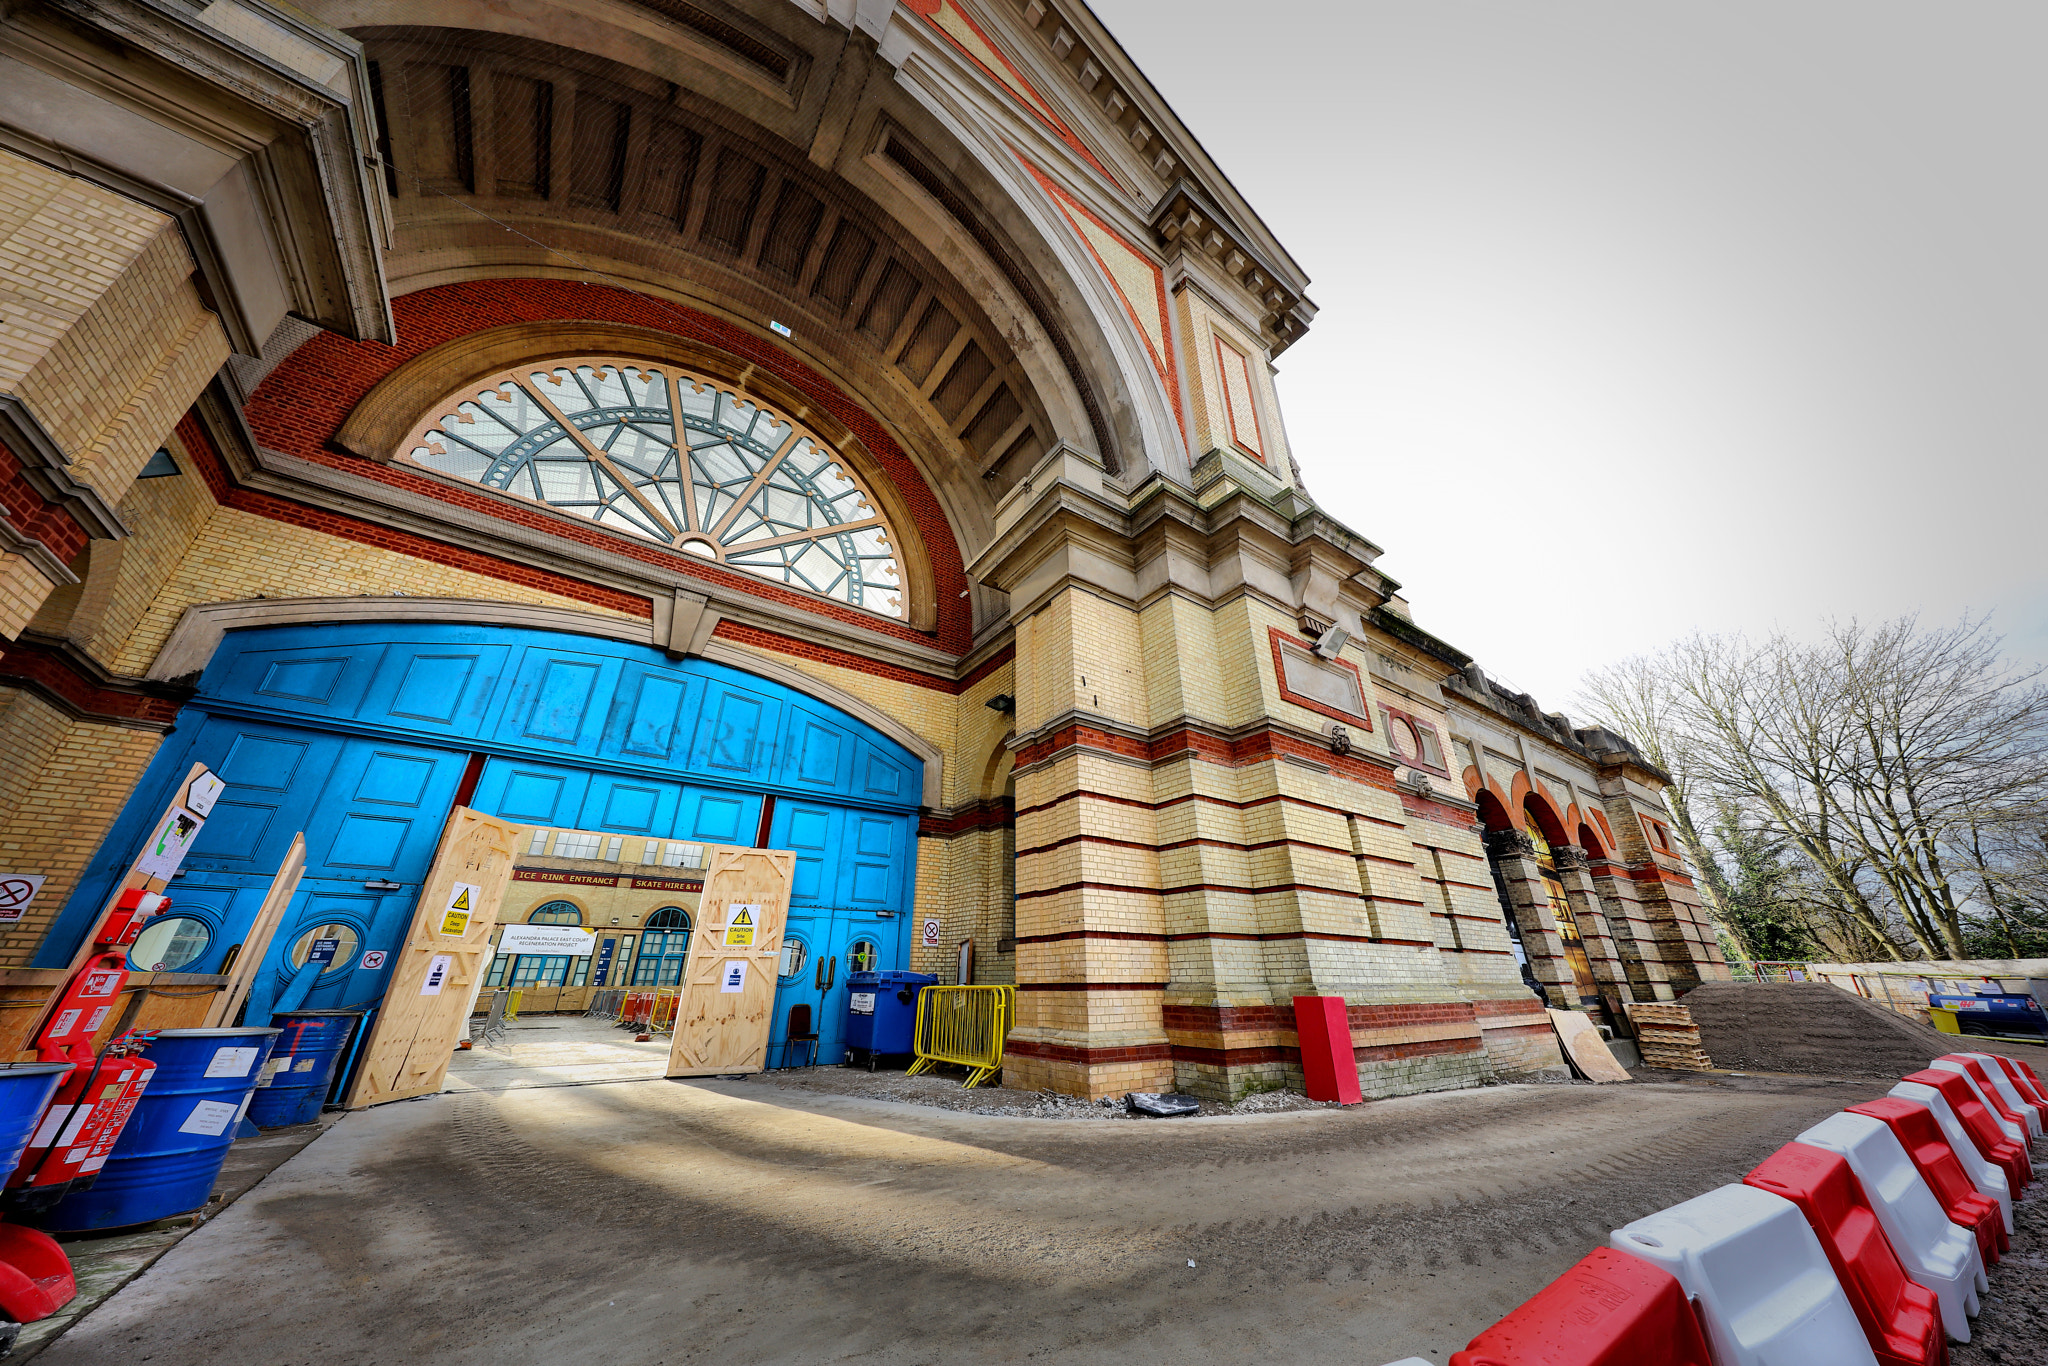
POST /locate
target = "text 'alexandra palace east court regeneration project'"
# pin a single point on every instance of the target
(834, 426)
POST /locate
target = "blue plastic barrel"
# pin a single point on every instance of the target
(169, 1156)
(25, 1093)
(301, 1067)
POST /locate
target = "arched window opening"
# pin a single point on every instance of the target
(664, 946)
(672, 458)
(556, 913)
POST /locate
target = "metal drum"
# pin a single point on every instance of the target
(169, 1156)
(301, 1068)
(25, 1093)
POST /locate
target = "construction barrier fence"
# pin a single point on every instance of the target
(965, 1026)
(653, 1010)
(605, 1004)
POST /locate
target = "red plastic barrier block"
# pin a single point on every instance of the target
(1977, 1122)
(35, 1275)
(1990, 1093)
(1919, 1133)
(1609, 1310)
(2029, 1086)
(1329, 1067)
(1901, 1319)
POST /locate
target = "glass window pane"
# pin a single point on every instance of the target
(169, 944)
(336, 939)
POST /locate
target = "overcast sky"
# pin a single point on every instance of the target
(1642, 317)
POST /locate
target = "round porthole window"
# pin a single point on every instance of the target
(794, 955)
(863, 956)
(336, 943)
(170, 943)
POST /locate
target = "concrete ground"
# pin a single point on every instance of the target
(650, 1221)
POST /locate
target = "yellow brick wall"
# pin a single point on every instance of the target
(102, 333)
(240, 555)
(62, 783)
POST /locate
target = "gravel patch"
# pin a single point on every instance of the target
(2013, 1329)
(945, 1092)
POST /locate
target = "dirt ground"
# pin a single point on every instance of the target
(942, 1090)
(1820, 1030)
(752, 1221)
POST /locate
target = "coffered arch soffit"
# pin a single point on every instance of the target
(515, 157)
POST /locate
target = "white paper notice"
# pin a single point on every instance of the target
(437, 974)
(209, 1117)
(204, 791)
(863, 1002)
(167, 847)
(270, 1071)
(735, 978)
(232, 1062)
(305, 1064)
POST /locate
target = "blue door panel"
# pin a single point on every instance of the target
(530, 793)
(874, 860)
(558, 700)
(313, 680)
(816, 753)
(736, 736)
(434, 689)
(715, 817)
(811, 831)
(884, 778)
(632, 805)
(364, 831)
(652, 716)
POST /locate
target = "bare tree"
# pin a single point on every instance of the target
(1881, 754)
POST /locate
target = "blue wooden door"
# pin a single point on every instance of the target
(358, 734)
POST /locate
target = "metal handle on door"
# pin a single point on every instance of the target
(828, 972)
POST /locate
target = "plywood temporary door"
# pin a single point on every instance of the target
(450, 941)
(729, 983)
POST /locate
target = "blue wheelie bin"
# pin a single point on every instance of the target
(881, 1014)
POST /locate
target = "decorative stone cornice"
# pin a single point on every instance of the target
(15, 541)
(1502, 844)
(44, 464)
(1184, 220)
(299, 95)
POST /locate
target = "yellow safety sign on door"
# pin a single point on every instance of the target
(740, 922)
(455, 916)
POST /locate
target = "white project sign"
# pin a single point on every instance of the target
(550, 939)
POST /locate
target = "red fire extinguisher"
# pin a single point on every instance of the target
(72, 1140)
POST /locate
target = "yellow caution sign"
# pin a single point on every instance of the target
(740, 922)
(455, 915)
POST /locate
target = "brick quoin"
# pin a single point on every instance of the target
(304, 401)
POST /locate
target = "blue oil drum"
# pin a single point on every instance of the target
(25, 1093)
(167, 1159)
(301, 1067)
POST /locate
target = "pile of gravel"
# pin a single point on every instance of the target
(1810, 1028)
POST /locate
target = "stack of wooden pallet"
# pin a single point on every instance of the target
(1668, 1037)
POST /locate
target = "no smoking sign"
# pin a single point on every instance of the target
(931, 934)
(17, 890)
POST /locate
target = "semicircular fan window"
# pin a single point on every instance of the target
(673, 458)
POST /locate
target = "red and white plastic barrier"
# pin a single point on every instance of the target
(1933, 1251)
(1864, 1242)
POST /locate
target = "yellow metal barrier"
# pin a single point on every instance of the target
(966, 1026)
(512, 1004)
